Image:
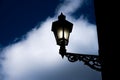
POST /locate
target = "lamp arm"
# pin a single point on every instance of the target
(93, 61)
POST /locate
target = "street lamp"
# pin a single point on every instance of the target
(62, 29)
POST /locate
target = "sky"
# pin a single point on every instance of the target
(28, 50)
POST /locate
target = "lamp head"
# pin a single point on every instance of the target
(62, 29)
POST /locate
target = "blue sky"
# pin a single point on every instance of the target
(19, 16)
(28, 46)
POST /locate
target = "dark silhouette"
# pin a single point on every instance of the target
(63, 28)
(106, 14)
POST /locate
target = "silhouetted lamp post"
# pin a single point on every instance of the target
(62, 29)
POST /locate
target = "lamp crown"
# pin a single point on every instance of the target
(61, 16)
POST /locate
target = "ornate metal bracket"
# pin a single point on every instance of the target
(92, 61)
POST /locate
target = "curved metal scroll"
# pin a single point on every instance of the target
(92, 61)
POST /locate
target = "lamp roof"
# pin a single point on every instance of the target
(61, 16)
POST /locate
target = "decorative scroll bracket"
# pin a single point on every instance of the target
(93, 61)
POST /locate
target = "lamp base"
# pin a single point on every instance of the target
(62, 51)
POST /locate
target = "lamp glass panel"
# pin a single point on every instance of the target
(66, 34)
(60, 33)
(63, 34)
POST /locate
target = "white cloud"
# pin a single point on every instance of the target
(69, 6)
(36, 57)
(83, 37)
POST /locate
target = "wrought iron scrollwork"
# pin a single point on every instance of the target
(92, 61)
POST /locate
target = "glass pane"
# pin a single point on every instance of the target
(66, 34)
(60, 33)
